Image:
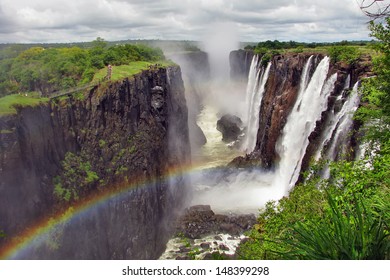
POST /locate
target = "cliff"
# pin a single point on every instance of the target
(240, 62)
(57, 154)
(280, 95)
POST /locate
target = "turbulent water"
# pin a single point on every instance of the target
(233, 191)
(215, 152)
(247, 191)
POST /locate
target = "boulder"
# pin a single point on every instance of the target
(230, 127)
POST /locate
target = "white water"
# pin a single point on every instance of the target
(343, 126)
(257, 79)
(311, 102)
(246, 191)
(334, 119)
(174, 245)
(214, 152)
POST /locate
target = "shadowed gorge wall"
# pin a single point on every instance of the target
(135, 129)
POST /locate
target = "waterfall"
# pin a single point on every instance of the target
(334, 119)
(311, 102)
(257, 79)
(342, 126)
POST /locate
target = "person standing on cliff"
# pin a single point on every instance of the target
(109, 71)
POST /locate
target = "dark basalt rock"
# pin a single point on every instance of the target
(197, 136)
(200, 220)
(123, 130)
(230, 127)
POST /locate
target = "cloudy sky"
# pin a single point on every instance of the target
(251, 20)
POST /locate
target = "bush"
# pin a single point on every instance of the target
(343, 53)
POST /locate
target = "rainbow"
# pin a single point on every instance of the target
(43, 228)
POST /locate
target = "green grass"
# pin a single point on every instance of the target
(325, 50)
(8, 103)
(124, 71)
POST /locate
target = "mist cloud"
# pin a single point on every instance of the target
(254, 20)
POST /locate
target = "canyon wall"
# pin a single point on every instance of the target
(280, 95)
(64, 151)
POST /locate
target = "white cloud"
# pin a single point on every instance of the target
(255, 20)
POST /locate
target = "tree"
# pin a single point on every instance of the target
(375, 8)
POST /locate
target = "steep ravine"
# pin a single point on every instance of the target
(129, 131)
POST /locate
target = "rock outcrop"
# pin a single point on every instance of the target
(133, 130)
(199, 220)
(230, 126)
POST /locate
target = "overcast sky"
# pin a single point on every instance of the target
(251, 20)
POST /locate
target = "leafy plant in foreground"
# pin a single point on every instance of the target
(354, 234)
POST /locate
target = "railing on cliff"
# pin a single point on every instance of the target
(72, 90)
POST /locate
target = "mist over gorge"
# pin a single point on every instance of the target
(150, 147)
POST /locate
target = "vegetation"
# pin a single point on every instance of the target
(54, 68)
(346, 51)
(9, 103)
(346, 216)
(123, 71)
(76, 178)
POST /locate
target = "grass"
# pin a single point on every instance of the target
(124, 71)
(8, 103)
(325, 50)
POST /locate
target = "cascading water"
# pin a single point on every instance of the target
(231, 191)
(257, 79)
(342, 126)
(311, 102)
(334, 118)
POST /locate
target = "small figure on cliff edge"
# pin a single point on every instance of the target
(109, 72)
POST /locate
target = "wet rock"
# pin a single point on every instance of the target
(223, 247)
(230, 127)
(205, 245)
(198, 139)
(182, 258)
(200, 220)
(184, 249)
(208, 256)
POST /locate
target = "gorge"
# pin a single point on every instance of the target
(133, 142)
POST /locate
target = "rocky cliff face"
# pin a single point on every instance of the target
(240, 62)
(67, 150)
(280, 94)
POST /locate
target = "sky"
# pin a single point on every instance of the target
(32, 21)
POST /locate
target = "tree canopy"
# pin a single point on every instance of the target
(54, 68)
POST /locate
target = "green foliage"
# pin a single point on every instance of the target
(348, 216)
(378, 87)
(55, 68)
(123, 71)
(346, 54)
(345, 217)
(305, 202)
(9, 103)
(2, 234)
(102, 143)
(75, 179)
(350, 232)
